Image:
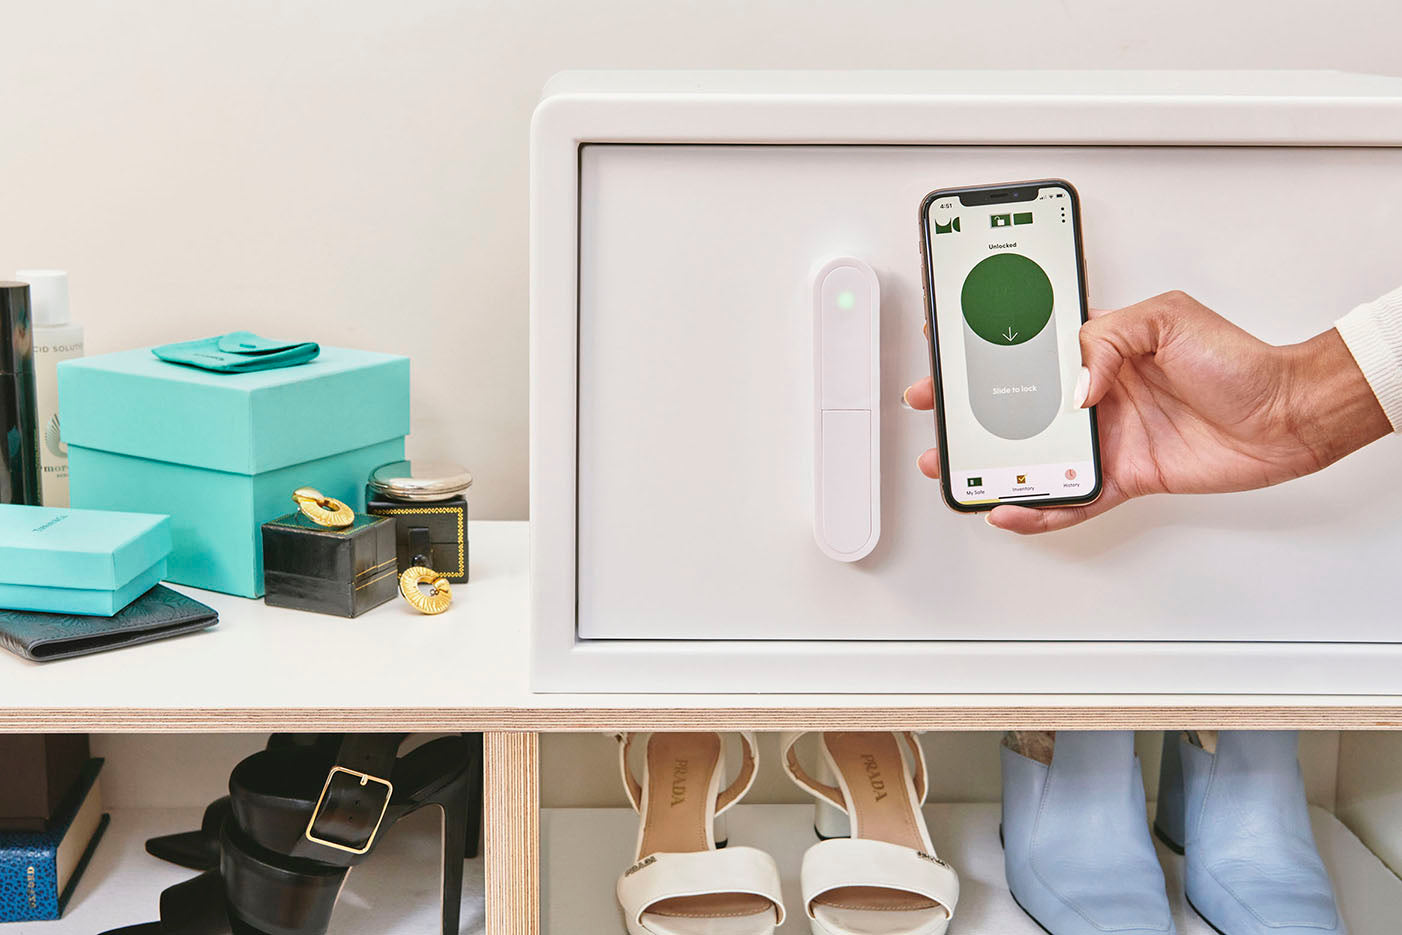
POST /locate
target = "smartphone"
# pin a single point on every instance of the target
(1005, 297)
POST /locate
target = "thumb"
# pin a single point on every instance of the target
(1111, 339)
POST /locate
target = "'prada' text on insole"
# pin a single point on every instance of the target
(679, 773)
(873, 771)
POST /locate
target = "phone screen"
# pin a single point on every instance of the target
(1006, 303)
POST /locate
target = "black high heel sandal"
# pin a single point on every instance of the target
(295, 828)
(199, 850)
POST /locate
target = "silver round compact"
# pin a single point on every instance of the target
(420, 481)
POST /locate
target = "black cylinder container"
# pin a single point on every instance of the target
(19, 432)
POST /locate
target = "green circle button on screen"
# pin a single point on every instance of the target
(1007, 299)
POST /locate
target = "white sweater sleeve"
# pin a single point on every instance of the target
(1373, 334)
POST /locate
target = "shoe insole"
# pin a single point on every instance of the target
(1207, 739)
(679, 771)
(873, 774)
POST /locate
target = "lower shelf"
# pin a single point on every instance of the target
(584, 850)
(395, 892)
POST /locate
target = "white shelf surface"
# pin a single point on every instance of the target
(584, 850)
(395, 892)
(475, 656)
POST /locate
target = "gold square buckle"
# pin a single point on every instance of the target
(365, 778)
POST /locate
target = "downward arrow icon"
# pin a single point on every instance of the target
(1010, 334)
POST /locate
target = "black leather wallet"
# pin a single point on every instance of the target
(155, 615)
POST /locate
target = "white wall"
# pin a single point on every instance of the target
(1370, 791)
(355, 172)
(169, 770)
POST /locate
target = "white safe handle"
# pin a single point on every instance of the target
(847, 404)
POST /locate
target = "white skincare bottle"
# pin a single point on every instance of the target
(56, 339)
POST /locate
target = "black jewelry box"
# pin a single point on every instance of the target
(344, 572)
(432, 533)
(39, 770)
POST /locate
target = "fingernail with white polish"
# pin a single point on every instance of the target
(905, 400)
(988, 518)
(1078, 399)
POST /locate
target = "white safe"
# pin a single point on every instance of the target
(683, 225)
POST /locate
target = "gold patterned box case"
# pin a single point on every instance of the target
(427, 500)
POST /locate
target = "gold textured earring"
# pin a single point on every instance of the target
(432, 603)
(321, 509)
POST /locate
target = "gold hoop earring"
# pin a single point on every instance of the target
(434, 603)
(321, 509)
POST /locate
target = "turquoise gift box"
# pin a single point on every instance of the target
(221, 453)
(79, 561)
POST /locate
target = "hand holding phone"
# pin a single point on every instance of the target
(1189, 403)
(1005, 299)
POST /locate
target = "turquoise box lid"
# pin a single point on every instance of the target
(78, 549)
(134, 403)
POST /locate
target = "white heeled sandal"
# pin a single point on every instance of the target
(875, 872)
(680, 883)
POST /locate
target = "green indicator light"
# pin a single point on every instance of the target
(846, 299)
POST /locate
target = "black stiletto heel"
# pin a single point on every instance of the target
(456, 804)
(473, 830)
(296, 827)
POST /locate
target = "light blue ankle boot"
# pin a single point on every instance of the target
(1077, 850)
(1241, 817)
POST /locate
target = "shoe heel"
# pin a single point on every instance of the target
(829, 821)
(474, 796)
(1170, 819)
(456, 803)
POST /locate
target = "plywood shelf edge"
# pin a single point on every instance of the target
(935, 716)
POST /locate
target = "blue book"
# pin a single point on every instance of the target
(40, 869)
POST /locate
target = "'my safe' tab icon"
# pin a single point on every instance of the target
(949, 227)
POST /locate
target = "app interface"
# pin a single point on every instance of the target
(1007, 311)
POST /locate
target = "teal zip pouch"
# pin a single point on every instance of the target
(238, 352)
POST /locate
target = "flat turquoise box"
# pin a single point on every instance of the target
(79, 561)
(221, 453)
